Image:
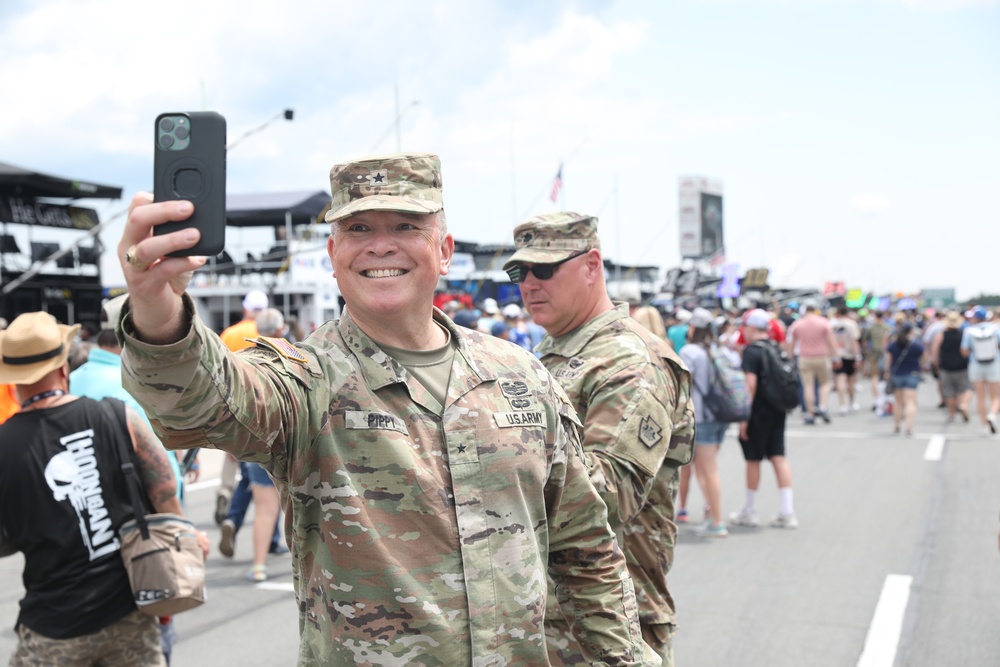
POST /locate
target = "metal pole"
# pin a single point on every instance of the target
(618, 239)
(399, 137)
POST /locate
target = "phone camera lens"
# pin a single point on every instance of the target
(166, 124)
(182, 132)
(166, 141)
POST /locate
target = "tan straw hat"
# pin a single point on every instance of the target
(32, 346)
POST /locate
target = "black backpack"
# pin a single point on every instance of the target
(780, 382)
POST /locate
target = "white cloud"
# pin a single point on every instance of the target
(869, 203)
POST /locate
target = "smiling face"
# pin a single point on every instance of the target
(387, 265)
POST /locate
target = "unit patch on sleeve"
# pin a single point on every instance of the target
(650, 432)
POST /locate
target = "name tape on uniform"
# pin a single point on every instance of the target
(373, 421)
(509, 419)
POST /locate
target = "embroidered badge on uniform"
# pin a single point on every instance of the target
(576, 362)
(282, 347)
(513, 388)
(378, 177)
(650, 432)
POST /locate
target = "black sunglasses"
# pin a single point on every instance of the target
(519, 272)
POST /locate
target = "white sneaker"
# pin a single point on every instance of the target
(744, 518)
(785, 521)
(855, 406)
(843, 410)
(992, 422)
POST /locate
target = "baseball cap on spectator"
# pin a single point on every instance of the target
(498, 328)
(683, 316)
(757, 319)
(979, 313)
(700, 319)
(255, 300)
(111, 311)
(512, 311)
(466, 318)
(490, 306)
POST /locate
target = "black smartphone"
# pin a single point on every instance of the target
(190, 163)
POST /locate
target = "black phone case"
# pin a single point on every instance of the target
(198, 174)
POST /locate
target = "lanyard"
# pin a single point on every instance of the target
(42, 396)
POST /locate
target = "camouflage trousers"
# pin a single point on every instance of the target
(565, 652)
(134, 641)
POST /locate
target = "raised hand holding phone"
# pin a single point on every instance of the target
(190, 164)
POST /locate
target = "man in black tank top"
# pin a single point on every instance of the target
(62, 501)
(952, 366)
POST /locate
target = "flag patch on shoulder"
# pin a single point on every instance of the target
(282, 347)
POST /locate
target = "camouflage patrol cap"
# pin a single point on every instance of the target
(553, 237)
(404, 182)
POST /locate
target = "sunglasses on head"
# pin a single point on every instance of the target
(519, 272)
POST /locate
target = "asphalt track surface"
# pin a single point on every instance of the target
(895, 562)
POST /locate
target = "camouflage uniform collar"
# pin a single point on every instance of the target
(378, 368)
(381, 370)
(482, 365)
(573, 343)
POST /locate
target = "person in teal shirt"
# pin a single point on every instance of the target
(678, 333)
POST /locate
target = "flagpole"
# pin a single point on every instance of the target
(513, 178)
(562, 187)
(618, 239)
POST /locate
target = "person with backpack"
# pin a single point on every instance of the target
(981, 346)
(709, 365)
(772, 383)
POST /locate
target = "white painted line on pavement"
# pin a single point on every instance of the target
(935, 448)
(276, 586)
(887, 623)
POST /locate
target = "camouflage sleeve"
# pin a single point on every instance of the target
(197, 393)
(627, 434)
(592, 583)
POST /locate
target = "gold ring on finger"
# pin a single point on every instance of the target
(132, 257)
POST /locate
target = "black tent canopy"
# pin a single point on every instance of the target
(19, 182)
(276, 209)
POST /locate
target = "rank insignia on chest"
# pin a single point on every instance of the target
(576, 363)
(282, 347)
(650, 432)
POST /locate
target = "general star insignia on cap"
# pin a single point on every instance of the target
(378, 177)
(650, 432)
(282, 347)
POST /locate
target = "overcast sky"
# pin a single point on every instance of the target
(856, 140)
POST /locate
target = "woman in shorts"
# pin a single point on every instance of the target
(902, 362)
(708, 433)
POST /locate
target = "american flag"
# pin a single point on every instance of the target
(556, 185)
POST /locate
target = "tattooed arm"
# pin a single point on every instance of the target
(154, 467)
(155, 471)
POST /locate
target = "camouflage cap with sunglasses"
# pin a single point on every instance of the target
(553, 237)
(403, 182)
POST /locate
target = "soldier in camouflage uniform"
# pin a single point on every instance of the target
(431, 476)
(633, 395)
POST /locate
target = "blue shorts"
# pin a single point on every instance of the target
(258, 476)
(905, 381)
(710, 433)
